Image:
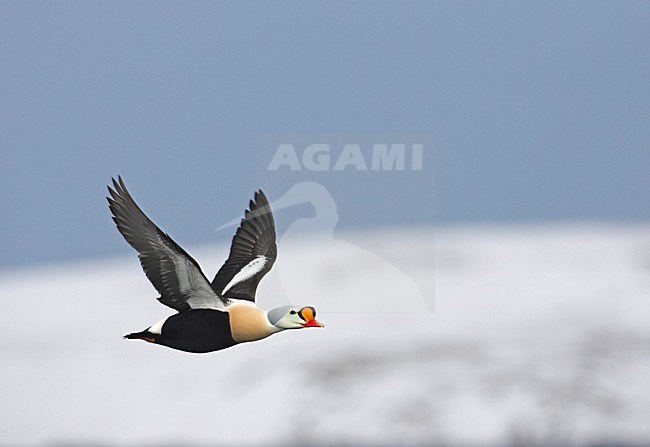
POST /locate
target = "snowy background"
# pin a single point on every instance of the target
(540, 336)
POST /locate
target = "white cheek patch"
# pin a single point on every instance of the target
(248, 271)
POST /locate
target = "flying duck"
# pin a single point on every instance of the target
(211, 315)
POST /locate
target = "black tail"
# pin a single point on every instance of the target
(144, 335)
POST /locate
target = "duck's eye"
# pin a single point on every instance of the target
(293, 312)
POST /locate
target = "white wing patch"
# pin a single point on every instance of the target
(251, 269)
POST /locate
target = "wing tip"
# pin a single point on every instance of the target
(261, 197)
(118, 189)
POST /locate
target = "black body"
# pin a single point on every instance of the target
(196, 330)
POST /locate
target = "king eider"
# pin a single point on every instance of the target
(211, 316)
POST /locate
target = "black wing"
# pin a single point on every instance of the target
(174, 273)
(252, 253)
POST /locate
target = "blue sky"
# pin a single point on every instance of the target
(530, 112)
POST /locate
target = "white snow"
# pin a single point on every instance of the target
(523, 335)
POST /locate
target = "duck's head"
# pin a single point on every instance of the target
(292, 317)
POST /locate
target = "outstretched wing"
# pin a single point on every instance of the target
(252, 253)
(174, 273)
